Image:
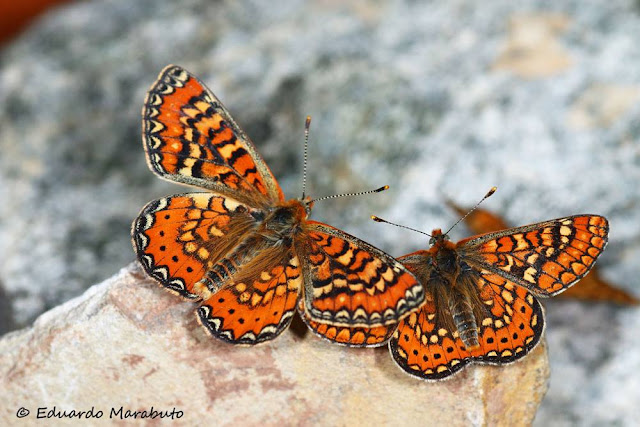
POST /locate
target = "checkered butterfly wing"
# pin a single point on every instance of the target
(189, 137)
(546, 258)
(259, 304)
(351, 283)
(348, 336)
(178, 238)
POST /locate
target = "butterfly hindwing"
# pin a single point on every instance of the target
(546, 257)
(426, 347)
(177, 238)
(189, 137)
(350, 337)
(256, 307)
(351, 283)
(420, 350)
(514, 321)
(421, 346)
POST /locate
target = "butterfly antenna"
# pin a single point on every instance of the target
(307, 125)
(377, 190)
(378, 219)
(486, 196)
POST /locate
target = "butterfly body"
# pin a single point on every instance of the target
(244, 251)
(451, 283)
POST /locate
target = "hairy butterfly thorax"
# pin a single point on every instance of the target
(248, 255)
(285, 221)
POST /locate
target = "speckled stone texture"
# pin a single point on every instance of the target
(111, 348)
(449, 98)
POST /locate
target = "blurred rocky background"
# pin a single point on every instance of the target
(435, 99)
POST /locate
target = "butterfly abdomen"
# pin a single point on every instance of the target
(463, 318)
(225, 269)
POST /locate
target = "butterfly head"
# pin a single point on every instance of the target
(284, 221)
(437, 237)
(308, 203)
(292, 211)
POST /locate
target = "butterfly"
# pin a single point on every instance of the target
(481, 304)
(481, 293)
(248, 255)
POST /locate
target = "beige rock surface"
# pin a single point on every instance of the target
(128, 344)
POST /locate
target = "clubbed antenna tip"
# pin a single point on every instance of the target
(307, 125)
(489, 193)
(360, 193)
(378, 219)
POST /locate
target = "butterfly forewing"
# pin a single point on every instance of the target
(351, 283)
(178, 238)
(189, 137)
(545, 258)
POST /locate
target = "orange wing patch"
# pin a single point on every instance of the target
(177, 238)
(190, 137)
(256, 309)
(547, 257)
(425, 351)
(513, 326)
(350, 337)
(351, 283)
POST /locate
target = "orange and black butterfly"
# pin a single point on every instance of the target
(248, 254)
(480, 292)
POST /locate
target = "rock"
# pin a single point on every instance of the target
(128, 344)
